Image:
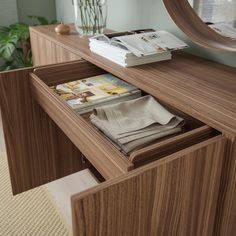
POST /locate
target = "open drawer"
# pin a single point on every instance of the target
(47, 140)
(100, 152)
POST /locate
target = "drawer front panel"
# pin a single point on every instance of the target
(174, 196)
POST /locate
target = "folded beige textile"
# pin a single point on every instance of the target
(136, 122)
(130, 146)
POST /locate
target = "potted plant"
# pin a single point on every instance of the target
(15, 48)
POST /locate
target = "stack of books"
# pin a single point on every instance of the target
(136, 47)
(89, 93)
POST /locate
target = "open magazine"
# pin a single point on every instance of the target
(144, 44)
(84, 95)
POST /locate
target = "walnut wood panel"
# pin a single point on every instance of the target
(67, 72)
(172, 145)
(173, 196)
(226, 210)
(203, 89)
(192, 25)
(38, 151)
(47, 52)
(101, 153)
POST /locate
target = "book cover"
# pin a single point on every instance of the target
(93, 90)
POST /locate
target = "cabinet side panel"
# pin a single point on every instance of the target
(173, 197)
(226, 210)
(38, 151)
(46, 52)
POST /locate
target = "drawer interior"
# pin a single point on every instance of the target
(193, 132)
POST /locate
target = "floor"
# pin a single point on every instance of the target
(61, 190)
(32, 213)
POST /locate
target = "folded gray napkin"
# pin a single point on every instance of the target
(134, 123)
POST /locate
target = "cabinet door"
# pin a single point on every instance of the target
(173, 196)
(38, 151)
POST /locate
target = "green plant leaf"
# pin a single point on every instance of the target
(40, 19)
(20, 30)
(8, 46)
(15, 48)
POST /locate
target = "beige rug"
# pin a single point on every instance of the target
(33, 213)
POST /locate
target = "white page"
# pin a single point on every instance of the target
(170, 41)
(140, 45)
(151, 43)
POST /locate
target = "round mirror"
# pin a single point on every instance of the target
(220, 15)
(210, 23)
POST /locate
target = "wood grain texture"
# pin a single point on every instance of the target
(226, 210)
(38, 151)
(102, 154)
(67, 72)
(173, 196)
(171, 145)
(48, 52)
(192, 25)
(203, 89)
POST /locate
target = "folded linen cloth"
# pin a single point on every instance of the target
(136, 122)
(130, 146)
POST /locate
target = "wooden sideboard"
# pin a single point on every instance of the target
(182, 185)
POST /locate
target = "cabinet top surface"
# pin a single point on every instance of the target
(199, 87)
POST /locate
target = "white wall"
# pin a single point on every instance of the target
(8, 12)
(44, 8)
(65, 11)
(122, 14)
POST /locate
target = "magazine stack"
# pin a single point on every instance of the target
(136, 47)
(90, 93)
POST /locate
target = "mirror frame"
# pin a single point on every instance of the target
(192, 25)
